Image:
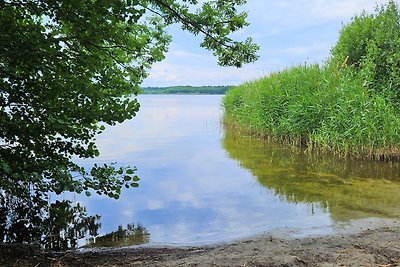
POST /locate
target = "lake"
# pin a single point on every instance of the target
(203, 183)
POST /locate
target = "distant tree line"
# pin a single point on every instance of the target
(203, 90)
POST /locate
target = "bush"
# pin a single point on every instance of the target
(370, 44)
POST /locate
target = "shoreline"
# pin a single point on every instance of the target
(365, 242)
(288, 233)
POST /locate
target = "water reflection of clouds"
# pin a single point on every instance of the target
(155, 125)
(190, 191)
(225, 217)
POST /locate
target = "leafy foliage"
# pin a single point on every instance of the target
(371, 45)
(69, 67)
(216, 20)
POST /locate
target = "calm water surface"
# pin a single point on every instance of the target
(202, 183)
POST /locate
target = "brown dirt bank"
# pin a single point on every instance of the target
(369, 246)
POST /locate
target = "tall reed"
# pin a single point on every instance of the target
(323, 107)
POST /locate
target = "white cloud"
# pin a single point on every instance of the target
(153, 204)
(304, 11)
(186, 54)
(186, 68)
(303, 50)
(343, 9)
(200, 75)
(163, 71)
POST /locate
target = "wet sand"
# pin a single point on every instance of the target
(368, 242)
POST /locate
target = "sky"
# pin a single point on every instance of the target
(289, 32)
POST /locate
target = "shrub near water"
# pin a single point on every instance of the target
(319, 107)
(370, 44)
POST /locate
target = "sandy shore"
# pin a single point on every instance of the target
(371, 242)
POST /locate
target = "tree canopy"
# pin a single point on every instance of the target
(69, 67)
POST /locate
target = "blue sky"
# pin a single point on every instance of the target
(289, 32)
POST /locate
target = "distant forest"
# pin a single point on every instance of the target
(203, 90)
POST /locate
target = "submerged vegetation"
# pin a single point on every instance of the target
(347, 189)
(349, 105)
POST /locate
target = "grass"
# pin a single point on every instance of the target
(321, 107)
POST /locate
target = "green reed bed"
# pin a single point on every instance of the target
(319, 107)
(350, 105)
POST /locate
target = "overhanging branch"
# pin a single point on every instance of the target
(191, 23)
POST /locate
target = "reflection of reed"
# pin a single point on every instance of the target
(350, 189)
(132, 235)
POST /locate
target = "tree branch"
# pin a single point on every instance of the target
(105, 48)
(191, 23)
(155, 12)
